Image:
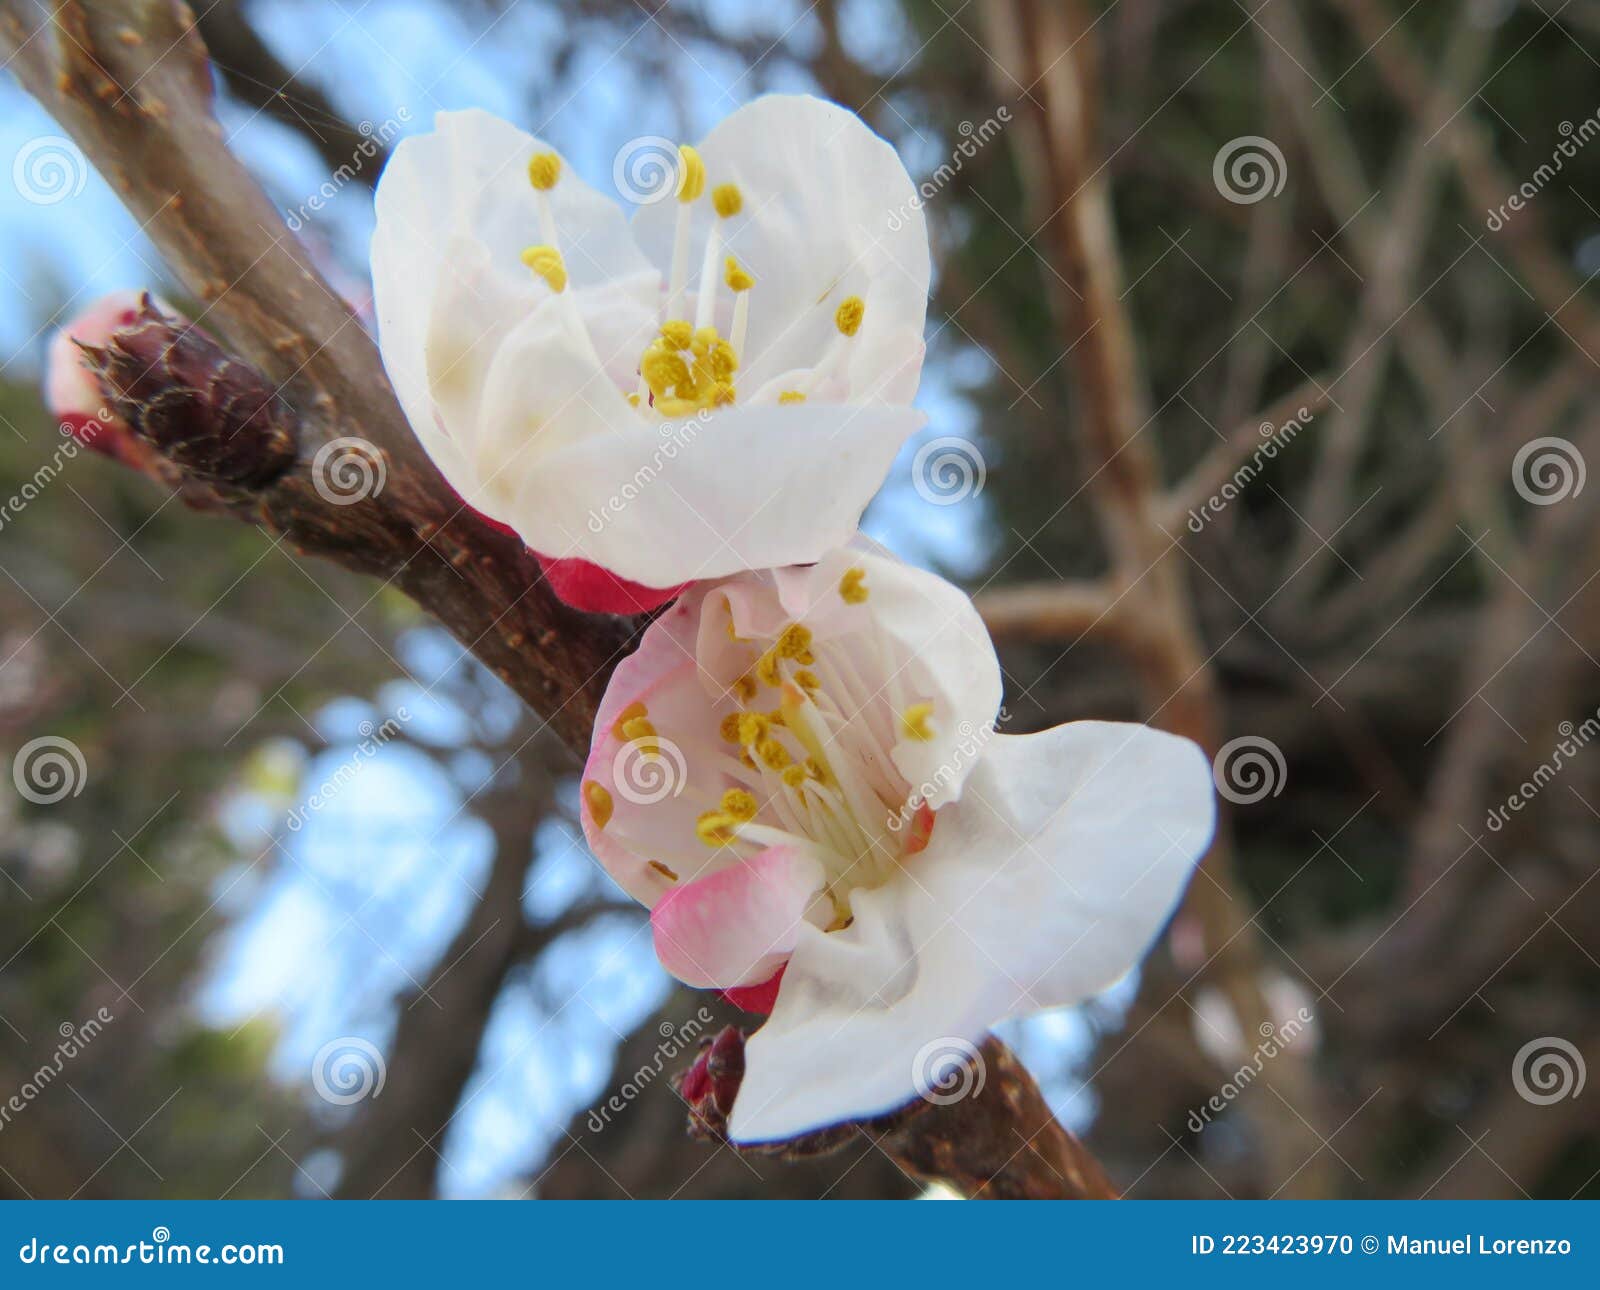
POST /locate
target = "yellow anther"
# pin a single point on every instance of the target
(727, 200)
(795, 642)
(776, 717)
(729, 728)
(847, 318)
(745, 688)
(677, 332)
(807, 681)
(640, 731)
(665, 872)
(740, 803)
(746, 760)
(767, 668)
(914, 721)
(736, 277)
(853, 586)
(713, 828)
(791, 396)
(634, 709)
(633, 400)
(794, 776)
(544, 168)
(774, 754)
(819, 772)
(691, 174)
(663, 370)
(704, 340)
(724, 362)
(599, 800)
(753, 727)
(546, 261)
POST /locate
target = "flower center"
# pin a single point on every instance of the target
(688, 367)
(814, 770)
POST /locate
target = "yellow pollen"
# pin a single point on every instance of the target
(713, 827)
(767, 668)
(664, 871)
(677, 332)
(807, 681)
(847, 318)
(853, 586)
(753, 727)
(599, 800)
(739, 803)
(914, 721)
(729, 728)
(663, 370)
(795, 642)
(791, 396)
(794, 776)
(745, 688)
(544, 168)
(692, 175)
(634, 709)
(774, 754)
(776, 717)
(633, 400)
(736, 277)
(727, 200)
(547, 263)
(746, 760)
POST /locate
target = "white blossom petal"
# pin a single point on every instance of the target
(1046, 882)
(829, 212)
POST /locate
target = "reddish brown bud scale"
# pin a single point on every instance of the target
(210, 413)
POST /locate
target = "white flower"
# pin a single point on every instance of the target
(799, 770)
(720, 385)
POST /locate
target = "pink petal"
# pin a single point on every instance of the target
(72, 392)
(596, 590)
(738, 926)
